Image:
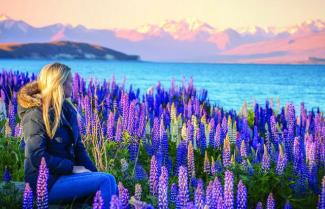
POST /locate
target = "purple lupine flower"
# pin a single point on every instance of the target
(226, 157)
(140, 172)
(110, 126)
(217, 137)
(115, 203)
(133, 148)
(199, 199)
(17, 132)
(153, 179)
(217, 192)
(266, 164)
(181, 153)
(273, 129)
(220, 203)
(183, 193)
(138, 192)
(270, 202)
(241, 196)
(98, 202)
(119, 131)
(321, 204)
(155, 134)
(202, 142)
(190, 160)
(6, 175)
(206, 163)
(173, 193)
(123, 195)
(137, 204)
(164, 146)
(142, 121)
(28, 197)
(163, 189)
(211, 133)
(42, 192)
(259, 205)
(229, 190)
(287, 205)
(125, 110)
(213, 167)
(11, 117)
(131, 117)
(224, 127)
(243, 152)
(209, 200)
(282, 161)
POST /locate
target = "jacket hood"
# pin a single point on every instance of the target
(29, 96)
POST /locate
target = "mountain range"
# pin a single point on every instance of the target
(186, 40)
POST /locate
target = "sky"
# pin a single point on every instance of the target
(127, 14)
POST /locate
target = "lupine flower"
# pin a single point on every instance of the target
(266, 164)
(115, 203)
(321, 204)
(163, 189)
(138, 192)
(199, 199)
(243, 152)
(282, 160)
(140, 205)
(217, 136)
(98, 201)
(206, 163)
(183, 193)
(259, 205)
(123, 195)
(119, 131)
(153, 179)
(140, 172)
(287, 205)
(226, 152)
(217, 192)
(110, 126)
(241, 196)
(270, 202)
(209, 200)
(28, 197)
(213, 167)
(190, 160)
(164, 146)
(124, 165)
(42, 192)
(181, 153)
(229, 190)
(173, 193)
(6, 175)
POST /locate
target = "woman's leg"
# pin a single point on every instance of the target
(70, 187)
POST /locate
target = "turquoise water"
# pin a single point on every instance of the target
(228, 85)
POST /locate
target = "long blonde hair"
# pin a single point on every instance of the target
(50, 83)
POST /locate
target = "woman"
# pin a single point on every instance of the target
(50, 130)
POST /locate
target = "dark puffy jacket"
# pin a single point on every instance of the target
(62, 152)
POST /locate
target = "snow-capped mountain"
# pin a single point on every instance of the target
(184, 40)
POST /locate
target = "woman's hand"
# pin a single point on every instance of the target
(80, 169)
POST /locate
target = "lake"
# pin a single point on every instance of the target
(228, 85)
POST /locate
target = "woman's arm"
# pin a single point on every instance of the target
(35, 139)
(82, 157)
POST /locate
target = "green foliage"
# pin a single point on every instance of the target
(10, 196)
(11, 157)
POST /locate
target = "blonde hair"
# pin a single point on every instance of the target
(50, 82)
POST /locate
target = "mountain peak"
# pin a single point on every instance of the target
(4, 17)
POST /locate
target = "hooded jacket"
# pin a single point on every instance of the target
(61, 152)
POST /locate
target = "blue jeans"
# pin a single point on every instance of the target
(74, 186)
